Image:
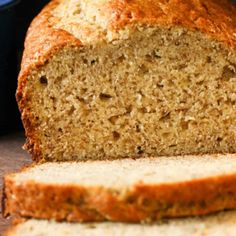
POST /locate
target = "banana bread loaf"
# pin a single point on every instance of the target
(129, 78)
(146, 189)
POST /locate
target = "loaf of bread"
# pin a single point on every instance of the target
(116, 78)
(126, 190)
(222, 224)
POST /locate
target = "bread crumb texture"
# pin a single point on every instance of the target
(115, 79)
(126, 173)
(221, 224)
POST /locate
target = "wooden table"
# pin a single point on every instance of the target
(12, 158)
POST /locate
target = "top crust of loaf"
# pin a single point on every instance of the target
(49, 32)
(216, 18)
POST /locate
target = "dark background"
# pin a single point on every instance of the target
(15, 17)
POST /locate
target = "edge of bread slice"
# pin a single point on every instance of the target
(216, 225)
(123, 190)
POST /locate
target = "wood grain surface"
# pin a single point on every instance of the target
(12, 158)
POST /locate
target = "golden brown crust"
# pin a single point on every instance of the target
(142, 202)
(42, 40)
(216, 18)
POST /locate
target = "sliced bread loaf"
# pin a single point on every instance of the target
(113, 78)
(222, 224)
(124, 190)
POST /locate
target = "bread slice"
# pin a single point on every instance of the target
(123, 190)
(222, 224)
(112, 79)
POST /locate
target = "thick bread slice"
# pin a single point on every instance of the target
(223, 224)
(124, 190)
(114, 78)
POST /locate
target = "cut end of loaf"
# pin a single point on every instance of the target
(160, 91)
